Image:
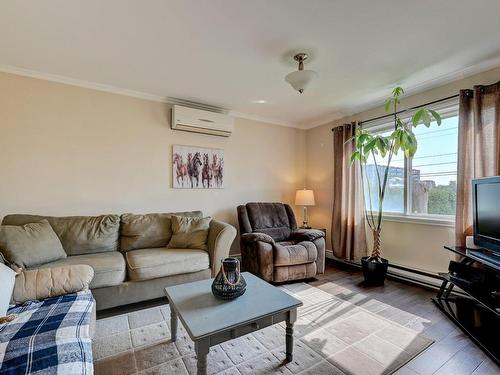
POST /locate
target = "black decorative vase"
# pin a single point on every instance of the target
(229, 282)
(374, 272)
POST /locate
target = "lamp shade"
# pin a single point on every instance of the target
(304, 198)
(300, 79)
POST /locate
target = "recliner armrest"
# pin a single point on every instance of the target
(254, 237)
(306, 234)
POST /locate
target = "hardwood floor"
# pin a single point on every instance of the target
(452, 353)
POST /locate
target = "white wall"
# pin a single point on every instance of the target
(66, 150)
(413, 245)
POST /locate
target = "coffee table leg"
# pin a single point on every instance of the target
(292, 317)
(173, 323)
(202, 348)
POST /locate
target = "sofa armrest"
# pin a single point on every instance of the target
(41, 283)
(306, 234)
(249, 238)
(220, 239)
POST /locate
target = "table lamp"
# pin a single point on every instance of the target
(304, 198)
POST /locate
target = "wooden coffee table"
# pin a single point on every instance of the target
(210, 321)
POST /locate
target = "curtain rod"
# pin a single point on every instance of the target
(408, 109)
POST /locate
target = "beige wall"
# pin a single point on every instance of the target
(66, 150)
(412, 245)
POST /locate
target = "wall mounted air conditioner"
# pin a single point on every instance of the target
(199, 121)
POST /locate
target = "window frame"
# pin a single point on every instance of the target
(446, 108)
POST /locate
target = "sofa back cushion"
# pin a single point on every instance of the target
(149, 230)
(30, 245)
(78, 234)
(189, 232)
(274, 219)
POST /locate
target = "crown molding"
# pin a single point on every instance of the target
(136, 94)
(414, 89)
(266, 120)
(305, 125)
(82, 83)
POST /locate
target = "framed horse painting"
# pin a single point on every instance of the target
(197, 167)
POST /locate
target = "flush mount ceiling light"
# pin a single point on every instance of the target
(301, 78)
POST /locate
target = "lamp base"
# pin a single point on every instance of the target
(305, 225)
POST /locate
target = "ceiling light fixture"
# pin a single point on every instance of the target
(301, 78)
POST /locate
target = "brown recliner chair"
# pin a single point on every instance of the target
(273, 248)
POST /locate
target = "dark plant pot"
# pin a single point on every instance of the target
(374, 272)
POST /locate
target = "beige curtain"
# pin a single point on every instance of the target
(478, 148)
(348, 222)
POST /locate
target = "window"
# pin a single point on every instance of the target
(395, 191)
(424, 186)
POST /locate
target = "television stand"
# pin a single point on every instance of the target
(478, 312)
(484, 256)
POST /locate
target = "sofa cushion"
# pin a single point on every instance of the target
(145, 264)
(286, 254)
(149, 230)
(31, 244)
(109, 267)
(189, 232)
(78, 234)
(270, 218)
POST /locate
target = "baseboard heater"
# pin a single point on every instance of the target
(412, 275)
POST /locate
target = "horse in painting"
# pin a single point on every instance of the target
(181, 169)
(193, 165)
(206, 172)
(218, 170)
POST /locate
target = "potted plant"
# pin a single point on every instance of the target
(367, 147)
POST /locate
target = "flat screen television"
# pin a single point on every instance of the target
(486, 212)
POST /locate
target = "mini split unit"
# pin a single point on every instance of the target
(199, 121)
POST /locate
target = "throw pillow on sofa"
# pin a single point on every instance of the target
(7, 280)
(30, 245)
(189, 232)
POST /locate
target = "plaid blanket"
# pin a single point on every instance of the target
(49, 337)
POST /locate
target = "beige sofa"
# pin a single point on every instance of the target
(128, 253)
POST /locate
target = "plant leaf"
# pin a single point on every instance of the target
(355, 156)
(426, 117)
(397, 91)
(362, 140)
(369, 146)
(417, 117)
(411, 144)
(436, 116)
(387, 104)
(381, 146)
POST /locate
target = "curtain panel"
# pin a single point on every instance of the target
(348, 220)
(478, 148)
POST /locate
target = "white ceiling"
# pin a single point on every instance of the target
(230, 53)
